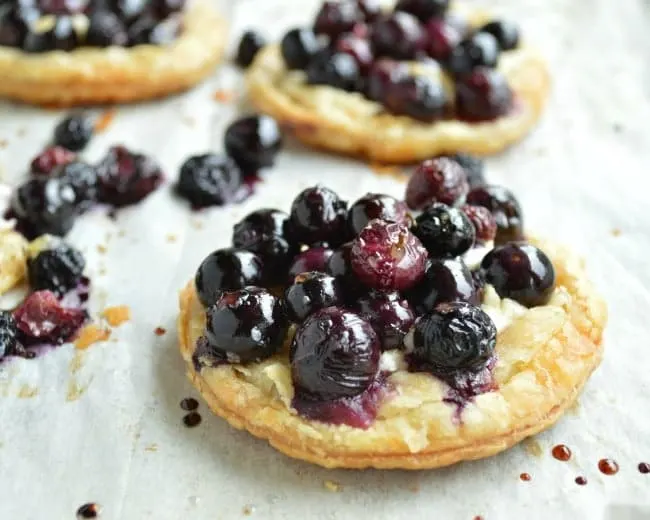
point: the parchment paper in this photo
(105, 425)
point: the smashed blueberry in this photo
(250, 44)
(375, 205)
(312, 259)
(418, 97)
(399, 36)
(504, 207)
(209, 180)
(298, 47)
(444, 231)
(318, 215)
(53, 156)
(484, 95)
(8, 332)
(436, 180)
(424, 10)
(226, 270)
(334, 354)
(310, 292)
(336, 18)
(253, 142)
(339, 70)
(246, 325)
(389, 314)
(106, 29)
(82, 177)
(58, 270)
(506, 33)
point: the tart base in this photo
(545, 357)
(117, 74)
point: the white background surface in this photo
(580, 175)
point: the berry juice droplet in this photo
(581, 481)
(561, 452)
(608, 466)
(89, 510)
(525, 477)
(644, 468)
(189, 404)
(192, 419)
(159, 331)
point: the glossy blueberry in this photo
(49, 159)
(505, 209)
(389, 314)
(8, 332)
(74, 132)
(521, 272)
(106, 29)
(506, 33)
(442, 38)
(298, 47)
(424, 10)
(436, 180)
(381, 76)
(339, 70)
(226, 270)
(399, 36)
(474, 168)
(250, 44)
(336, 18)
(253, 142)
(419, 97)
(453, 337)
(485, 226)
(58, 270)
(245, 325)
(318, 215)
(479, 50)
(339, 266)
(484, 95)
(313, 259)
(310, 292)
(370, 9)
(357, 47)
(444, 231)
(334, 354)
(209, 180)
(375, 205)
(61, 36)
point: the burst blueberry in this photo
(209, 180)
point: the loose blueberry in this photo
(339, 70)
(504, 207)
(253, 143)
(336, 18)
(106, 29)
(250, 44)
(391, 317)
(226, 270)
(506, 33)
(473, 166)
(484, 95)
(334, 354)
(357, 47)
(246, 325)
(387, 256)
(8, 332)
(310, 292)
(372, 206)
(381, 76)
(50, 158)
(74, 132)
(444, 231)
(399, 36)
(313, 259)
(318, 215)
(424, 10)
(442, 38)
(453, 337)
(521, 272)
(419, 97)
(58, 270)
(82, 177)
(445, 280)
(298, 47)
(479, 50)
(485, 226)
(436, 180)
(209, 180)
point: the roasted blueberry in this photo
(14, 26)
(506, 33)
(442, 38)
(339, 70)
(334, 354)
(44, 206)
(357, 47)
(318, 215)
(436, 180)
(298, 47)
(74, 132)
(423, 9)
(339, 266)
(8, 333)
(226, 270)
(126, 177)
(485, 226)
(149, 29)
(419, 97)
(399, 36)
(253, 142)
(42, 319)
(375, 205)
(61, 36)
(389, 314)
(60, 7)
(313, 259)
(310, 292)
(165, 8)
(336, 18)
(106, 29)
(370, 9)
(521, 272)
(387, 256)
(250, 44)
(453, 337)
(445, 280)
(265, 233)
(82, 177)
(53, 156)
(473, 167)
(246, 325)
(129, 10)
(58, 270)
(484, 95)
(444, 231)
(479, 50)
(504, 207)
(381, 76)
(209, 180)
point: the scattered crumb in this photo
(574, 409)
(171, 238)
(117, 315)
(76, 362)
(90, 335)
(102, 271)
(21, 131)
(101, 248)
(197, 224)
(27, 392)
(616, 232)
(3, 143)
(415, 488)
(224, 96)
(75, 390)
(248, 510)
(160, 331)
(387, 169)
(332, 486)
(533, 447)
(121, 233)
(151, 448)
(105, 119)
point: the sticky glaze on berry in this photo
(444, 231)
(310, 292)
(375, 205)
(436, 180)
(318, 215)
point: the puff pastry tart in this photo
(405, 343)
(402, 86)
(72, 52)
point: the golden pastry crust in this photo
(347, 123)
(13, 259)
(545, 356)
(117, 74)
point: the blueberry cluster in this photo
(355, 46)
(361, 279)
(62, 186)
(47, 25)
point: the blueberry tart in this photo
(422, 341)
(402, 84)
(90, 51)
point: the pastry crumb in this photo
(387, 169)
(75, 390)
(121, 233)
(101, 248)
(105, 119)
(415, 488)
(248, 510)
(27, 392)
(160, 331)
(616, 232)
(197, 224)
(332, 486)
(533, 447)
(171, 238)
(151, 448)
(90, 335)
(223, 96)
(3, 143)
(117, 315)
(21, 132)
